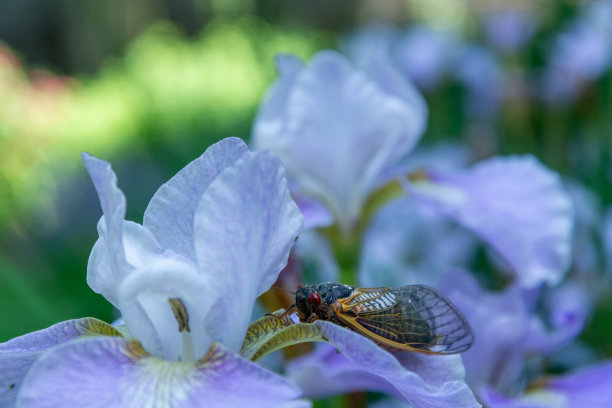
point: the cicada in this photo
(415, 317)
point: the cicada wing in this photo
(448, 331)
(420, 319)
(367, 300)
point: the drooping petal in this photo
(113, 205)
(147, 300)
(139, 247)
(245, 224)
(517, 206)
(18, 355)
(339, 130)
(114, 372)
(170, 213)
(423, 380)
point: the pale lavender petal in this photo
(325, 372)
(423, 380)
(270, 122)
(408, 243)
(338, 132)
(517, 206)
(114, 372)
(587, 387)
(113, 205)
(500, 323)
(248, 214)
(139, 247)
(316, 215)
(569, 306)
(380, 69)
(170, 214)
(18, 355)
(144, 300)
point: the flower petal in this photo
(500, 323)
(139, 247)
(423, 380)
(145, 302)
(18, 355)
(114, 372)
(517, 206)
(569, 306)
(325, 372)
(408, 243)
(113, 205)
(338, 132)
(170, 213)
(587, 387)
(253, 222)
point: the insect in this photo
(415, 317)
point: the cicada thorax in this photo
(412, 317)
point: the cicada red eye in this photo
(301, 285)
(314, 298)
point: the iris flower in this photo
(213, 239)
(344, 132)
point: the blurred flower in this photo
(587, 387)
(213, 239)
(580, 54)
(509, 30)
(338, 129)
(479, 71)
(516, 205)
(508, 331)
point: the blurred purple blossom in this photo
(510, 29)
(338, 129)
(580, 54)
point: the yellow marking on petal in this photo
(161, 383)
(95, 327)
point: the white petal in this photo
(245, 226)
(337, 131)
(170, 214)
(144, 302)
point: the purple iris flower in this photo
(213, 239)
(509, 30)
(580, 54)
(343, 132)
(338, 129)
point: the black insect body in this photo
(415, 317)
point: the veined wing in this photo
(421, 320)
(368, 300)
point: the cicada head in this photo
(318, 298)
